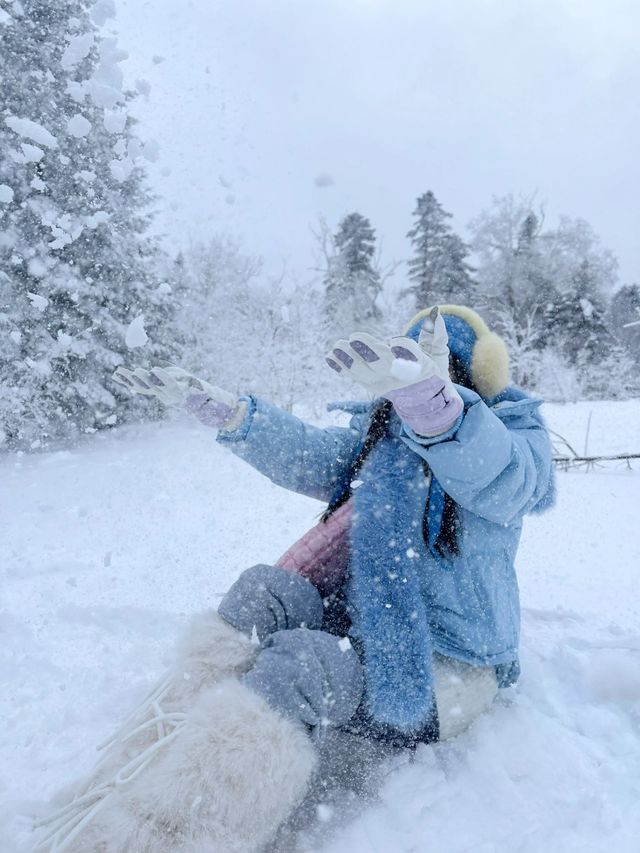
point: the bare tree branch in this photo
(573, 459)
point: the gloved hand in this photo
(414, 376)
(215, 412)
(174, 386)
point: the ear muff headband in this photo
(486, 358)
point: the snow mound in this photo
(98, 583)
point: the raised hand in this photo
(414, 376)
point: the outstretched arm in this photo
(174, 386)
(290, 452)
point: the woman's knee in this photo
(463, 692)
(270, 599)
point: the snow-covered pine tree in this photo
(613, 377)
(216, 284)
(76, 264)
(577, 320)
(579, 324)
(547, 290)
(352, 280)
(439, 269)
(245, 330)
(625, 318)
(513, 274)
(530, 289)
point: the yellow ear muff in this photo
(489, 360)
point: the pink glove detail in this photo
(209, 412)
(428, 407)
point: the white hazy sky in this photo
(254, 103)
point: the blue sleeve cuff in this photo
(433, 439)
(240, 433)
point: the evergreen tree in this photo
(578, 324)
(547, 290)
(577, 321)
(512, 274)
(352, 280)
(439, 269)
(613, 377)
(530, 279)
(218, 284)
(246, 332)
(625, 318)
(77, 266)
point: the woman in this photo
(396, 617)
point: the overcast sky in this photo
(272, 112)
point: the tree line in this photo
(552, 292)
(84, 287)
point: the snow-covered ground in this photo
(106, 550)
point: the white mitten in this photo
(414, 376)
(174, 386)
(171, 385)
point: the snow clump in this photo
(32, 130)
(78, 126)
(38, 302)
(77, 49)
(406, 371)
(135, 335)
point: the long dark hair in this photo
(447, 542)
(378, 426)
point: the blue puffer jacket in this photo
(405, 599)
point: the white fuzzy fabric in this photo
(231, 777)
(463, 692)
(211, 650)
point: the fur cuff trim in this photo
(211, 649)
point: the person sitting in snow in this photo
(396, 617)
